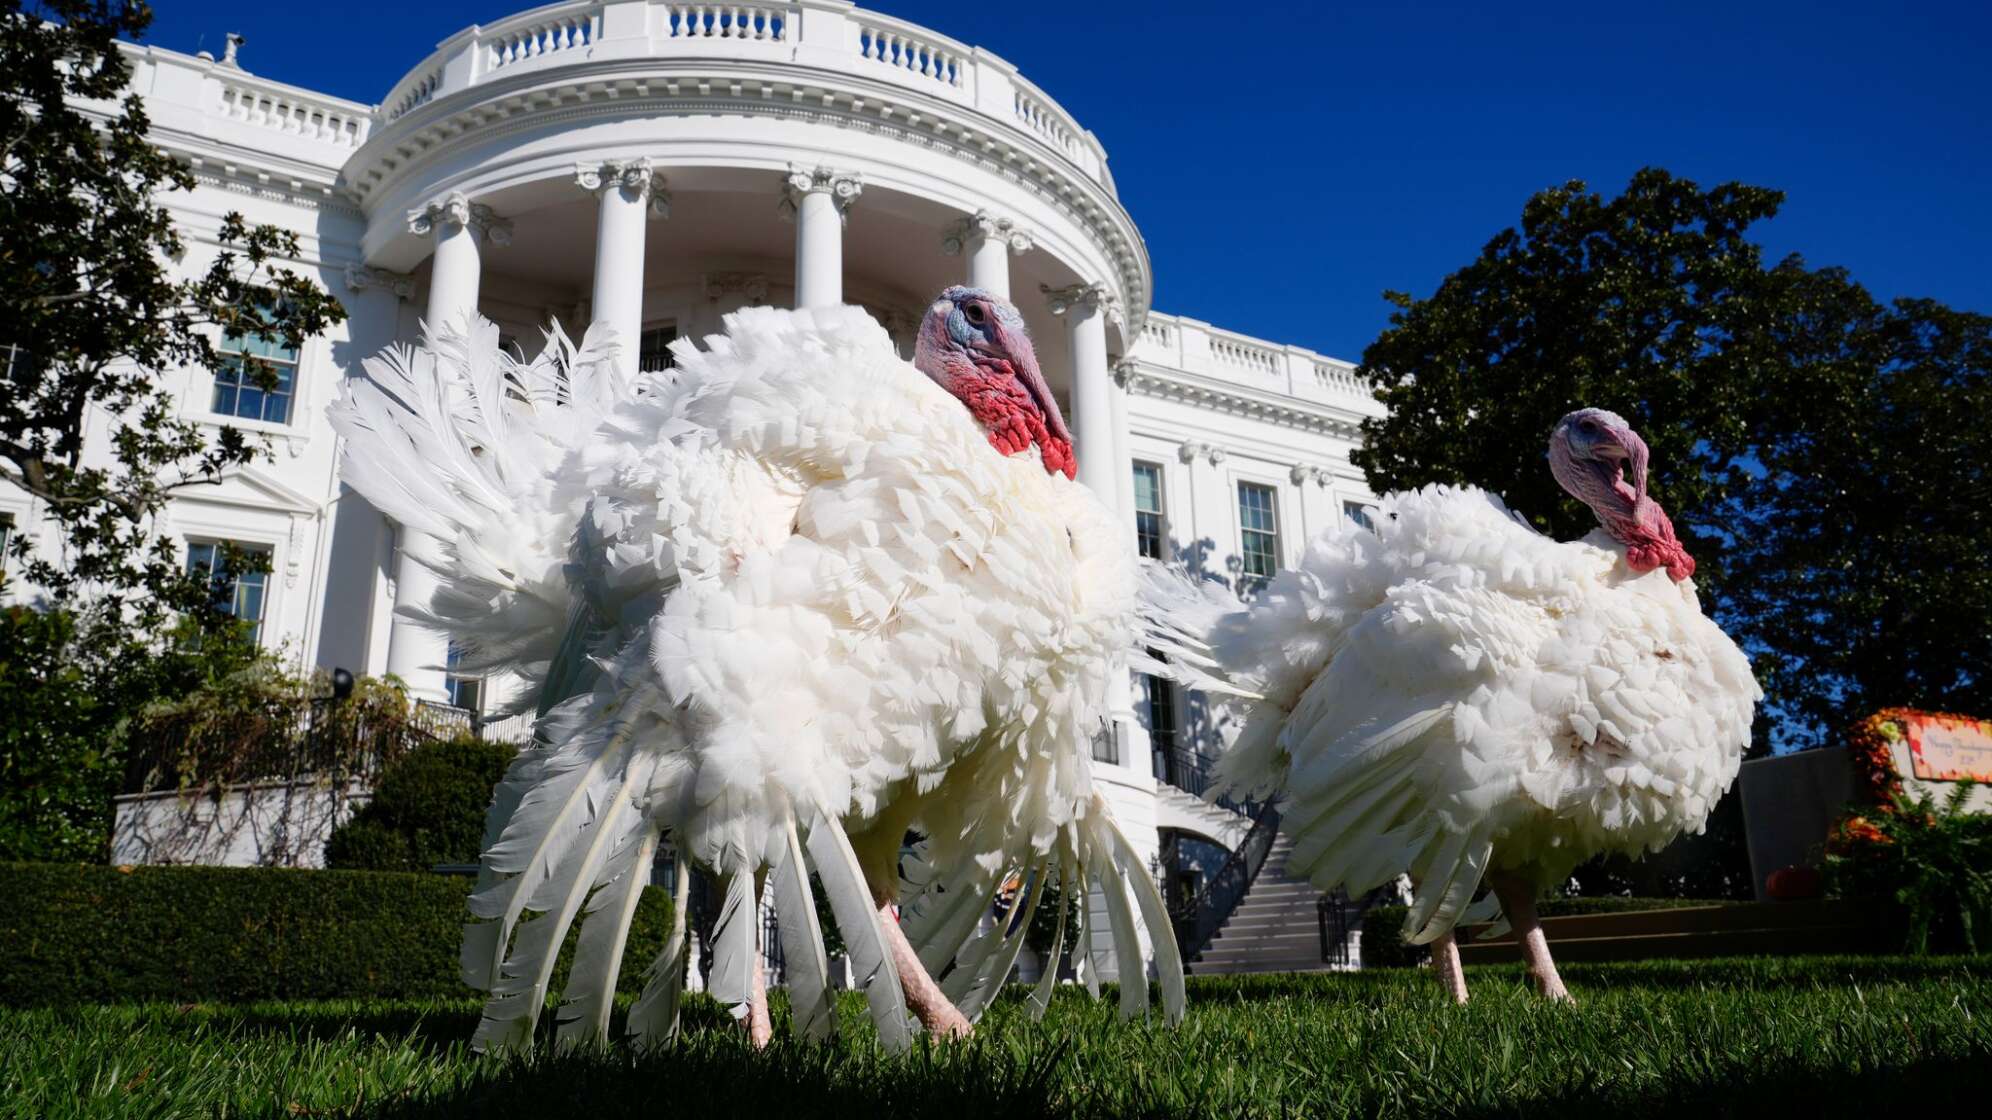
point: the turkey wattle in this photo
(785, 601)
(1455, 695)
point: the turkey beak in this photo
(1014, 344)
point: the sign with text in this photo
(1949, 749)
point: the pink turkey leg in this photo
(1518, 903)
(929, 1005)
(1445, 962)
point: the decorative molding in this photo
(1086, 296)
(1304, 473)
(954, 239)
(843, 186)
(1192, 450)
(1213, 396)
(456, 208)
(360, 277)
(753, 286)
(638, 179)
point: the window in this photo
(237, 388)
(464, 692)
(238, 593)
(653, 349)
(6, 538)
(1149, 521)
(1358, 513)
(1106, 744)
(1258, 534)
(1161, 713)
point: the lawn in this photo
(1826, 1036)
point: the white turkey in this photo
(1454, 695)
(782, 602)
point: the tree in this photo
(1788, 414)
(93, 320)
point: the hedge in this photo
(1383, 926)
(81, 933)
(428, 808)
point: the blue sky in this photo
(1287, 163)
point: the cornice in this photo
(587, 92)
(1162, 383)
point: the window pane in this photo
(1259, 540)
(653, 350)
(1148, 487)
(1358, 513)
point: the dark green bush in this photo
(79, 934)
(1383, 926)
(428, 809)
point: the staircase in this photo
(1276, 926)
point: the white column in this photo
(987, 241)
(1123, 446)
(629, 190)
(816, 199)
(1085, 308)
(416, 653)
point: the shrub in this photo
(428, 809)
(1383, 926)
(1933, 863)
(79, 933)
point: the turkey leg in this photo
(1445, 962)
(941, 1018)
(1518, 904)
(760, 1027)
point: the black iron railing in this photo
(1191, 772)
(1198, 921)
(1340, 916)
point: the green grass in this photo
(1825, 1036)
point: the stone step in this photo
(1265, 939)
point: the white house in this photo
(656, 165)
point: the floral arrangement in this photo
(1931, 860)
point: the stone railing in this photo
(532, 35)
(277, 107)
(760, 23)
(910, 48)
(1250, 363)
(832, 35)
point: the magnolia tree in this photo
(96, 318)
(1825, 456)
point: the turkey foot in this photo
(941, 1018)
(1518, 904)
(1445, 962)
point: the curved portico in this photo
(652, 166)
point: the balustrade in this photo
(1244, 356)
(296, 116)
(550, 36)
(903, 51)
(753, 22)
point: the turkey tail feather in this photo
(857, 919)
(812, 1005)
(653, 1018)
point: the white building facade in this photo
(656, 165)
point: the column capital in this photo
(360, 277)
(1304, 473)
(456, 208)
(1085, 297)
(752, 286)
(843, 186)
(982, 223)
(1192, 450)
(636, 178)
